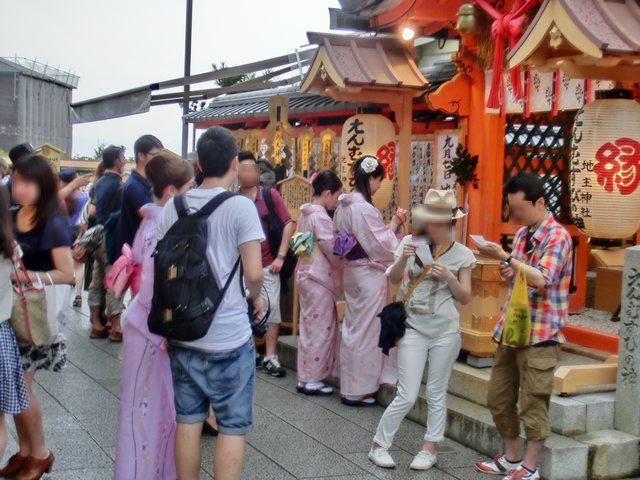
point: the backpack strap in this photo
(268, 200)
(209, 207)
(181, 205)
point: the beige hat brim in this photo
(421, 214)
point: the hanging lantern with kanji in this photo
(370, 134)
(605, 169)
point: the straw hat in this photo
(440, 206)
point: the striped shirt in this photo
(551, 253)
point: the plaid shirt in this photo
(552, 255)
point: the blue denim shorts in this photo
(223, 380)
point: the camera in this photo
(259, 327)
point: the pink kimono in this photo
(363, 367)
(146, 431)
(319, 278)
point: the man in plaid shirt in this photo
(543, 248)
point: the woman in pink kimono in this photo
(146, 430)
(318, 277)
(368, 246)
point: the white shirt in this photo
(432, 309)
(232, 224)
(6, 289)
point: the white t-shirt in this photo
(432, 309)
(6, 290)
(233, 223)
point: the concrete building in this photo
(34, 103)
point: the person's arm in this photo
(397, 269)
(549, 267)
(461, 285)
(62, 273)
(288, 229)
(73, 185)
(251, 257)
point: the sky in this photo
(119, 44)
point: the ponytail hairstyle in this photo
(6, 225)
(325, 180)
(166, 169)
(360, 175)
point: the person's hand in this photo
(258, 305)
(493, 250)
(506, 272)
(276, 266)
(398, 219)
(21, 278)
(82, 180)
(441, 272)
(409, 250)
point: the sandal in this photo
(321, 390)
(99, 333)
(363, 402)
(115, 337)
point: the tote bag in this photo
(517, 320)
(29, 316)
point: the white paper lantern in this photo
(605, 169)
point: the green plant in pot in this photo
(463, 166)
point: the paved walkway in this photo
(294, 436)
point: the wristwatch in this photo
(280, 256)
(507, 262)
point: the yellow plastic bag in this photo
(517, 320)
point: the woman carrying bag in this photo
(13, 394)
(433, 327)
(45, 240)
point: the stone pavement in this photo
(294, 436)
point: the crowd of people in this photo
(53, 235)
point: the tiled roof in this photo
(255, 105)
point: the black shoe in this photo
(273, 368)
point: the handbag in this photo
(87, 244)
(29, 317)
(393, 316)
(517, 319)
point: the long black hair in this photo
(6, 225)
(37, 169)
(326, 180)
(360, 179)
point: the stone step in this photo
(580, 447)
(569, 415)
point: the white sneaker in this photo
(381, 458)
(423, 461)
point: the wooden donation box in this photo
(479, 316)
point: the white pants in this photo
(414, 350)
(272, 287)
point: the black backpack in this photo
(186, 294)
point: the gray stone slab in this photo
(627, 415)
(337, 434)
(102, 425)
(83, 474)
(568, 416)
(303, 456)
(600, 410)
(364, 476)
(564, 459)
(612, 454)
(75, 449)
(288, 405)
